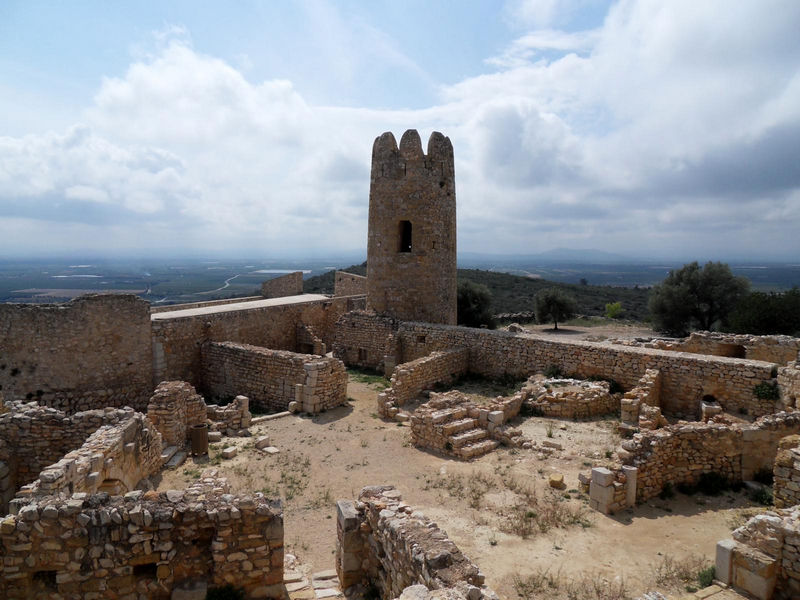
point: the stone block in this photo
(602, 476)
(230, 452)
(724, 560)
(262, 442)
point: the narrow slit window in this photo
(405, 236)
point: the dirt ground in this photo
(528, 539)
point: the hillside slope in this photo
(513, 293)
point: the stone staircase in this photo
(464, 437)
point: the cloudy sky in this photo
(647, 128)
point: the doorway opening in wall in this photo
(405, 236)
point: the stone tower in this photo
(411, 252)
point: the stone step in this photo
(454, 427)
(168, 453)
(448, 414)
(478, 449)
(471, 436)
(177, 460)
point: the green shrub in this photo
(666, 491)
(767, 391)
(614, 310)
(762, 496)
(553, 372)
(474, 305)
(705, 577)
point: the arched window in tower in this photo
(405, 236)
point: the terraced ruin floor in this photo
(499, 509)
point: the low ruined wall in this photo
(646, 393)
(681, 453)
(308, 342)
(789, 385)
(174, 409)
(142, 545)
(34, 436)
(92, 352)
(763, 558)
(348, 284)
(364, 339)
(231, 418)
(290, 284)
(113, 459)
(570, 398)
(786, 473)
(384, 543)
(177, 339)
(159, 308)
(273, 378)
(686, 378)
(409, 379)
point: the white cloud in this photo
(672, 126)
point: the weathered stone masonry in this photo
(290, 284)
(385, 543)
(349, 284)
(273, 378)
(411, 250)
(94, 351)
(110, 547)
(174, 409)
(177, 339)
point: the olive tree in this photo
(695, 297)
(552, 304)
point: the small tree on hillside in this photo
(694, 296)
(552, 304)
(474, 305)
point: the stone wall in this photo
(685, 378)
(92, 352)
(411, 246)
(763, 558)
(681, 453)
(386, 544)
(646, 393)
(174, 409)
(410, 379)
(786, 473)
(177, 339)
(569, 398)
(290, 284)
(142, 545)
(366, 340)
(231, 418)
(789, 385)
(778, 349)
(273, 378)
(308, 342)
(113, 459)
(348, 284)
(34, 436)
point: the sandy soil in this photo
(483, 505)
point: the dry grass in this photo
(680, 574)
(589, 586)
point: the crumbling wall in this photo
(290, 284)
(786, 473)
(681, 453)
(364, 339)
(647, 393)
(384, 543)
(231, 418)
(570, 398)
(409, 379)
(273, 378)
(34, 436)
(89, 353)
(789, 385)
(174, 408)
(142, 545)
(685, 378)
(177, 337)
(348, 284)
(308, 342)
(113, 459)
(763, 558)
